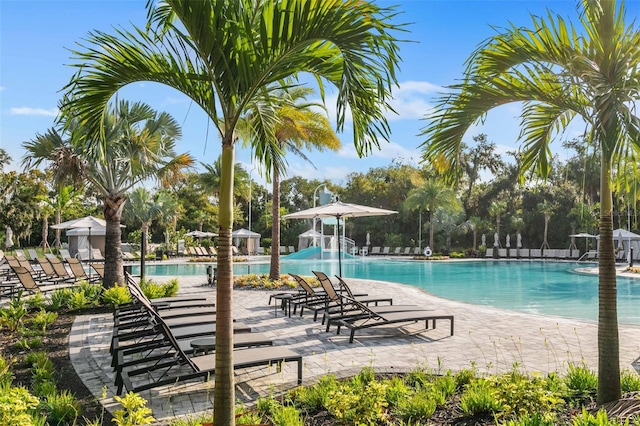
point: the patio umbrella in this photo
(339, 210)
(581, 235)
(83, 222)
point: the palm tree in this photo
(431, 195)
(497, 209)
(560, 72)
(140, 146)
(144, 208)
(226, 54)
(547, 209)
(299, 125)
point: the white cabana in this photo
(309, 238)
(622, 240)
(85, 239)
(252, 243)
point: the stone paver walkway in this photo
(494, 340)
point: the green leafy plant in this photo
(16, 405)
(285, 416)
(6, 376)
(358, 405)
(36, 302)
(581, 381)
(629, 381)
(419, 405)
(116, 296)
(62, 408)
(43, 319)
(134, 411)
(600, 419)
(315, 396)
(60, 298)
(534, 420)
(11, 317)
(28, 343)
(478, 399)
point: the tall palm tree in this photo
(547, 208)
(560, 72)
(225, 54)
(497, 209)
(299, 125)
(144, 208)
(140, 146)
(431, 195)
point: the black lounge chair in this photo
(161, 372)
(373, 319)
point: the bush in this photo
(478, 399)
(62, 408)
(134, 411)
(580, 381)
(154, 291)
(16, 405)
(116, 296)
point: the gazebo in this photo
(309, 238)
(252, 243)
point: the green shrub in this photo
(16, 405)
(600, 419)
(116, 296)
(521, 395)
(478, 399)
(286, 416)
(534, 420)
(580, 381)
(134, 411)
(418, 378)
(36, 302)
(11, 317)
(60, 298)
(6, 376)
(356, 405)
(629, 381)
(78, 301)
(62, 408)
(396, 390)
(314, 397)
(464, 378)
(418, 406)
(28, 344)
(445, 385)
(43, 319)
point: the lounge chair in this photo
(397, 251)
(64, 253)
(15, 261)
(212, 251)
(77, 269)
(99, 268)
(96, 255)
(535, 253)
(36, 286)
(513, 253)
(375, 251)
(33, 254)
(50, 272)
(489, 252)
(291, 249)
(20, 254)
(201, 366)
(372, 319)
(61, 270)
(416, 251)
(283, 250)
(385, 251)
(126, 255)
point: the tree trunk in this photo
(274, 271)
(45, 233)
(475, 238)
(57, 243)
(431, 231)
(113, 273)
(224, 391)
(608, 339)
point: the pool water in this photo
(542, 287)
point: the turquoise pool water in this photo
(549, 288)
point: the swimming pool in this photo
(549, 288)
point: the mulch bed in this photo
(55, 344)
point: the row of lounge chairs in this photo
(525, 253)
(201, 251)
(49, 274)
(342, 308)
(387, 251)
(156, 342)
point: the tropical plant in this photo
(560, 72)
(298, 125)
(224, 55)
(140, 146)
(431, 195)
(547, 208)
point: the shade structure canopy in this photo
(201, 234)
(252, 239)
(83, 222)
(339, 210)
(583, 235)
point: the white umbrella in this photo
(83, 222)
(339, 210)
(9, 241)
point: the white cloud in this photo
(53, 112)
(411, 100)
(388, 151)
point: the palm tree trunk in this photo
(57, 243)
(45, 233)
(113, 273)
(274, 271)
(431, 230)
(608, 339)
(224, 392)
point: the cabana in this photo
(622, 240)
(252, 243)
(308, 239)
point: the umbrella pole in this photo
(339, 249)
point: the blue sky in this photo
(35, 38)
